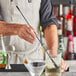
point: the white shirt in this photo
(11, 15)
(37, 12)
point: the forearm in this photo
(51, 37)
(8, 29)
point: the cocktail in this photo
(35, 67)
(51, 70)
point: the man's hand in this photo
(22, 30)
(27, 33)
(64, 66)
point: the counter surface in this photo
(20, 70)
(27, 74)
(15, 68)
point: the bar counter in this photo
(27, 74)
(20, 70)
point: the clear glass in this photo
(35, 67)
(50, 69)
(2, 52)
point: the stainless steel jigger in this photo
(8, 62)
(8, 57)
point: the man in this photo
(23, 37)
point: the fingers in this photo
(64, 66)
(30, 32)
(34, 30)
(27, 33)
(27, 39)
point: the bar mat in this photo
(15, 68)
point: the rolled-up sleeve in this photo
(46, 14)
(1, 18)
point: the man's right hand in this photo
(27, 33)
(24, 31)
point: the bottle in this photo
(66, 11)
(42, 40)
(70, 54)
(74, 21)
(71, 7)
(60, 18)
(2, 53)
(60, 36)
(41, 33)
(71, 13)
(70, 18)
(61, 48)
(60, 30)
(60, 12)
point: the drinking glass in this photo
(35, 67)
(50, 69)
